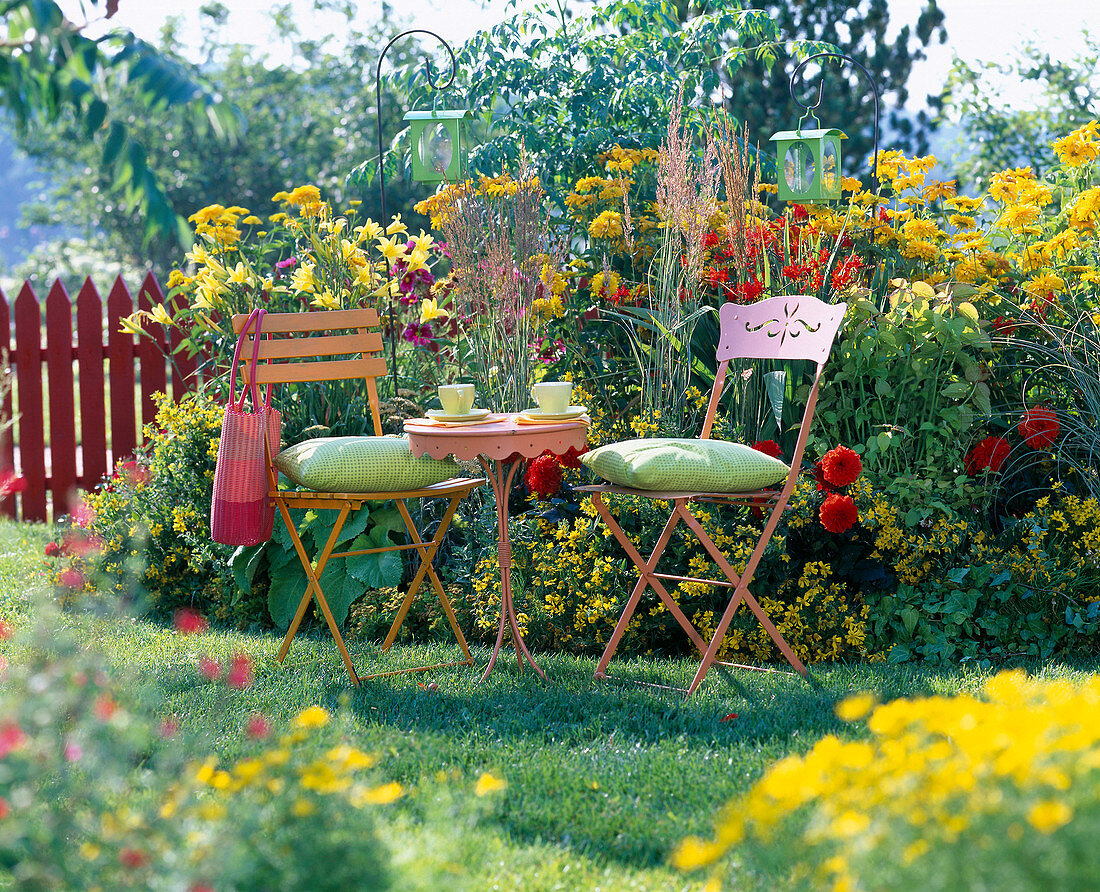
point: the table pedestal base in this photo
(501, 474)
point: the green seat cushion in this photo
(679, 465)
(361, 464)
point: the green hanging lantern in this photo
(808, 163)
(439, 146)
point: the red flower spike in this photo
(571, 458)
(841, 467)
(1039, 427)
(5, 630)
(728, 718)
(838, 513)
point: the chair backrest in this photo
(791, 327)
(321, 345)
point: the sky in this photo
(978, 30)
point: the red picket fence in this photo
(76, 403)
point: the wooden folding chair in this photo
(782, 328)
(330, 345)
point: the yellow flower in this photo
(1078, 147)
(609, 224)
(396, 227)
(383, 795)
(487, 784)
(160, 314)
(430, 310)
(303, 279)
(939, 189)
(313, 717)
(855, 707)
(369, 231)
(326, 300)
(391, 249)
(1048, 816)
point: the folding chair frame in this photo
(797, 327)
(282, 360)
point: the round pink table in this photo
(500, 444)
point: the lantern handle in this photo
(382, 155)
(809, 108)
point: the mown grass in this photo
(604, 778)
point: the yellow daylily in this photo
(417, 260)
(424, 241)
(240, 275)
(430, 309)
(369, 231)
(396, 227)
(160, 315)
(391, 249)
(303, 279)
(327, 300)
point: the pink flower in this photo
(240, 672)
(5, 630)
(82, 515)
(210, 669)
(189, 621)
(11, 737)
(73, 752)
(169, 727)
(5, 809)
(9, 483)
(104, 707)
(71, 578)
(258, 727)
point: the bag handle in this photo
(256, 315)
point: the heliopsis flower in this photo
(312, 717)
(838, 513)
(609, 224)
(841, 466)
(1039, 427)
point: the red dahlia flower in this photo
(841, 466)
(543, 476)
(838, 513)
(989, 453)
(768, 447)
(1039, 427)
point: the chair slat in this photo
(325, 320)
(316, 345)
(329, 370)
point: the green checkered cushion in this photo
(361, 464)
(678, 465)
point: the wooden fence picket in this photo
(86, 408)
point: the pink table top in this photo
(497, 437)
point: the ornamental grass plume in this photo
(661, 328)
(504, 259)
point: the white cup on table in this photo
(456, 399)
(553, 397)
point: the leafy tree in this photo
(998, 135)
(759, 93)
(50, 72)
(568, 83)
(308, 120)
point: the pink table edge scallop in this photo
(492, 443)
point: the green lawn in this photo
(603, 778)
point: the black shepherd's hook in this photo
(381, 157)
(809, 108)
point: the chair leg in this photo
(313, 587)
(427, 556)
(741, 593)
(646, 579)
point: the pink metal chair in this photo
(784, 328)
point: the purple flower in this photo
(416, 333)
